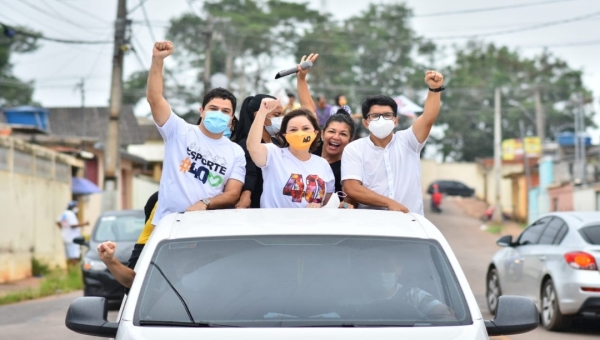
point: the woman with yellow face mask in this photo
(292, 176)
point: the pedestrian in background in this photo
(71, 228)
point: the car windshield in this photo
(119, 228)
(591, 234)
(295, 281)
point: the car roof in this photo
(237, 222)
(578, 219)
(122, 212)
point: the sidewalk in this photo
(20, 285)
(476, 208)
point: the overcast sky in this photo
(57, 68)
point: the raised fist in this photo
(106, 251)
(268, 105)
(162, 49)
(434, 79)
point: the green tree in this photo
(467, 114)
(375, 52)
(245, 38)
(14, 91)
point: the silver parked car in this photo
(554, 262)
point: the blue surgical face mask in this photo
(216, 121)
(227, 133)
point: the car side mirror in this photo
(514, 315)
(87, 315)
(80, 240)
(505, 241)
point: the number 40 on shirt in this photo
(315, 188)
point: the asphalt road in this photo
(44, 319)
(474, 249)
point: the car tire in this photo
(492, 290)
(551, 317)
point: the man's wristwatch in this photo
(206, 201)
(439, 89)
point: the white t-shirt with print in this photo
(67, 220)
(394, 172)
(291, 183)
(195, 167)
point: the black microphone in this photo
(304, 65)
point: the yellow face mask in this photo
(300, 140)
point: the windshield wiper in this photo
(181, 324)
(187, 310)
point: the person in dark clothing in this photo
(253, 183)
(337, 133)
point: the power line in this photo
(59, 17)
(489, 9)
(141, 4)
(63, 41)
(519, 30)
(64, 3)
(147, 20)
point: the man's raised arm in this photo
(154, 91)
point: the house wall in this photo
(561, 198)
(467, 173)
(143, 187)
(35, 188)
(586, 199)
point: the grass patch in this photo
(38, 268)
(494, 228)
(56, 282)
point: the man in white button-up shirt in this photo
(383, 170)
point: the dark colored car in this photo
(452, 188)
(123, 228)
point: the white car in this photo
(554, 262)
(299, 274)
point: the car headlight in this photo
(93, 265)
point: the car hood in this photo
(470, 332)
(123, 252)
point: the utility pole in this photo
(207, 57)
(540, 117)
(497, 156)
(111, 149)
(582, 146)
(525, 156)
(81, 87)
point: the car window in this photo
(532, 234)
(561, 234)
(288, 281)
(591, 234)
(119, 228)
(551, 231)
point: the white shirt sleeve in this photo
(172, 126)
(272, 149)
(239, 170)
(330, 185)
(409, 139)
(352, 163)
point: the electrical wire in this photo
(64, 3)
(489, 9)
(519, 30)
(60, 17)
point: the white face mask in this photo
(275, 126)
(382, 282)
(381, 128)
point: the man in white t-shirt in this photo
(383, 170)
(70, 229)
(202, 169)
